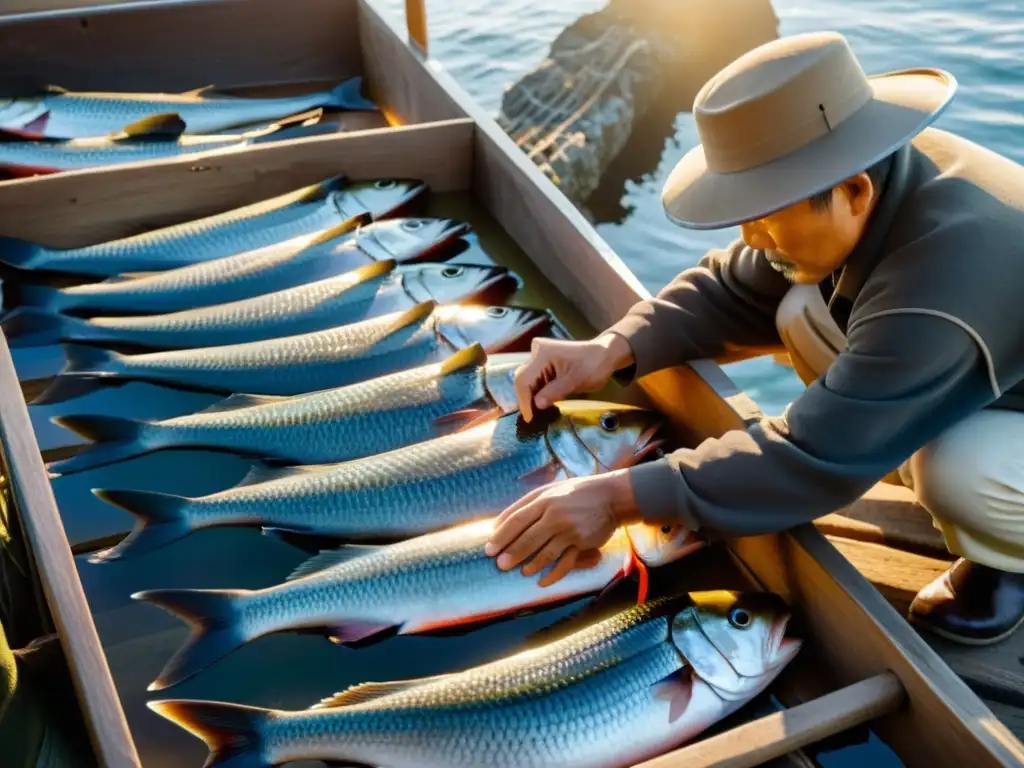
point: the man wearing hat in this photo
(888, 257)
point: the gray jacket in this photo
(931, 304)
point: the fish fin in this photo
(259, 472)
(21, 254)
(322, 190)
(329, 558)
(86, 360)
(56, 90)
(35, 327)
(422, 627)
(373, 270)
(473, 356)
(21, 294)
(242, 400)
(205, 90)
(348, 95)
(307, 541)
(418, 313)
(64, 388)
(677, 690)
(347, 226)
(355, 630)
(542, 475)
(466, 418)
(310, 117)
(167, 125)
(290, 132)
(114, 439)
(232, 732)
(364, 692)
(159, 520)
(213, 615)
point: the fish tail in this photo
(22, 254)
(83, 373)
(349, 95)
(234, 733)
(114, 439)
(160, 519)
(36, 327)
(21, 294)
(213, 615)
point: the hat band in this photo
(826, 117)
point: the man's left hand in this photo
(564, 522)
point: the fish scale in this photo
(398, 493)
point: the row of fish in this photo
(380, 416)
(57, 130)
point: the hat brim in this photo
(904, 104)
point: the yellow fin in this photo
(206, 90)
(167, 125)
(373, 270)
(415, 315)
(472, 356)
(363, 692)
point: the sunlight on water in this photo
(488, 46)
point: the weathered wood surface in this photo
(775, 735)
(64, 594)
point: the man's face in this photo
(807, 243)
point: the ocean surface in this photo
(488, 46)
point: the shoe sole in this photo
(966, 640)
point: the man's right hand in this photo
(557, 369)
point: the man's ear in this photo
(859, 192)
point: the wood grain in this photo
(98, 205)
(779, 733)
(180, 46)
(41, 522)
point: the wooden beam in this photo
(42, 526)
(777, 734)
(102, 204)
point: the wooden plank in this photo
(64, 595)
(888, 514)
(98, 205)
(398, 79)
(774, 735)
(182, 45)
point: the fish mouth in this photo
(647, 444)
(782, 649)
(497, 287)
(532, 323)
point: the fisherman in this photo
(888, 257)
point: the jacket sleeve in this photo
(728, 299)
(902, 380)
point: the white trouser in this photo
(970, 478)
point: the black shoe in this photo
(971, 604)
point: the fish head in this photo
(451, 283)
(590, 436)
(658, 545)
(381, 197)
(735, 641)
(500, 379)
(495, 328)
(406, 240)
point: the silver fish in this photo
(61, 114)
(614, 694)
(378, 289)
(152, 139)
(295, 365)
(305, 211)
(430, 582)
(304, 259)
(335, 425)
(417, 489)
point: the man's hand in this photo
(557, 369)
(564, 522)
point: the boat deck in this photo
(891, 540)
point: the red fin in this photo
(410, 629)
(27, 170)
(467, 418)
(353, 631)
(677, 690)
(542, 475)
(642, 578)
(36, 129)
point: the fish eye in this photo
(609, 422)
(411, 225)
(497, 311)
(386, 184)
(666, 529)
(739, 618)
(452, 271)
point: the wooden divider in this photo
(88, 666)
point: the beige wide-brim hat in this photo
(790, 119)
